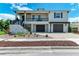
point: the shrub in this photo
(74, 29)
(69, 29)
(20, 33)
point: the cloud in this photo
(74, 6)
(7, 16)
(23, 8)
(20, 6)
(74, 19)
(72, 3)
(73, 9)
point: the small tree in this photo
(4, 25)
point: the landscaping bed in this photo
(36, 43)
(25, 36)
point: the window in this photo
(58, 15)
(39, 18)
(33, 17)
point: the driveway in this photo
(54, 37)
(61, 35)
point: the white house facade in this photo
(41, 20)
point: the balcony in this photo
(36, 20)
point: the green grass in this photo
(2, 33)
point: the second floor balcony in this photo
(36, 19)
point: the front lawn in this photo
(2, 33)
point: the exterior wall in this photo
(33, 28)
(28, 15)
(20, 16)
(65, 27)
(64, 19)
(43, 15)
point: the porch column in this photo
(46, 27)
(25, 17)
(32, 28)
(49, 28)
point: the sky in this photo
(6, 9)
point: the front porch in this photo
(37, 27)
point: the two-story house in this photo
(41, 20)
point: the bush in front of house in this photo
(20, 34)
(69, 29)
(75, 29)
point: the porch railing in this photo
(36, 19)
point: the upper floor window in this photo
(58, 15)
(39, 17)
(33, 17)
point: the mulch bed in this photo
(37, 43)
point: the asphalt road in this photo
(39, 51)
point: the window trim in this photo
(58, 15)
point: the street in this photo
(39, 51)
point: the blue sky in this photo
(6, 9)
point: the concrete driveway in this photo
(55, 36)
(61, 35)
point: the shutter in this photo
(61, 15)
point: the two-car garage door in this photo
(57, 27)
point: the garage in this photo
(57, 27)
(40, 28)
